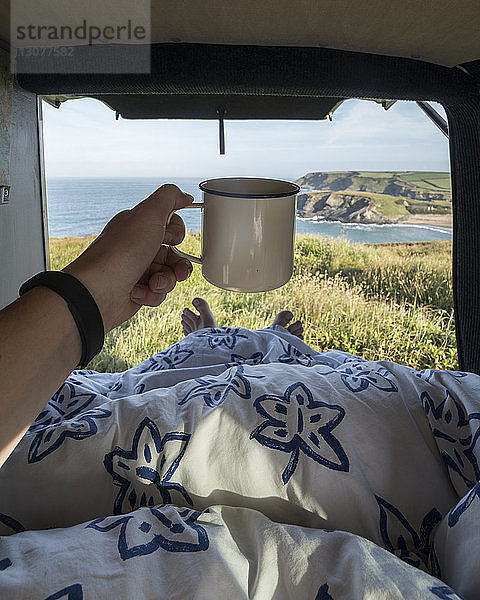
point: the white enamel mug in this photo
(248, 233)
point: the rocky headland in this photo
(380, 198)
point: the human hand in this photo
(128, 265)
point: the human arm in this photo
(127, 266)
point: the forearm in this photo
(40, 343)
(39, 347)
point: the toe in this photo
(190, 314)
(206, 316)
(188, 324)
(296, 329)
(283, 318)
(187, 319)
(296, 326)
(201, 305)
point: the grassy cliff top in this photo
(389, 206)
(394, 183)
(381, 302)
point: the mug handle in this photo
(178, 252)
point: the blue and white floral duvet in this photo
(240, 464)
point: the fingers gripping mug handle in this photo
(178, 252)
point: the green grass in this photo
(397, 206)
(416, 183)
(377, 174)
(390, 206)
(427, 180)
(430, 180)
(441, 184)
(390, 302)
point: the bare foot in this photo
(192, 322)
(284, 317)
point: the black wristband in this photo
(80, 303)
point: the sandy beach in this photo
(438, 220)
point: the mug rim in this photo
(203, 186)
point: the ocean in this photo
(80, 206)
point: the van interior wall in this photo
(464, 141)
(22, 239)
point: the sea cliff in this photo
(380, 198)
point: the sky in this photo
(83, 139)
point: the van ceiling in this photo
(198, 80)
(277, 58)
(445, 32)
